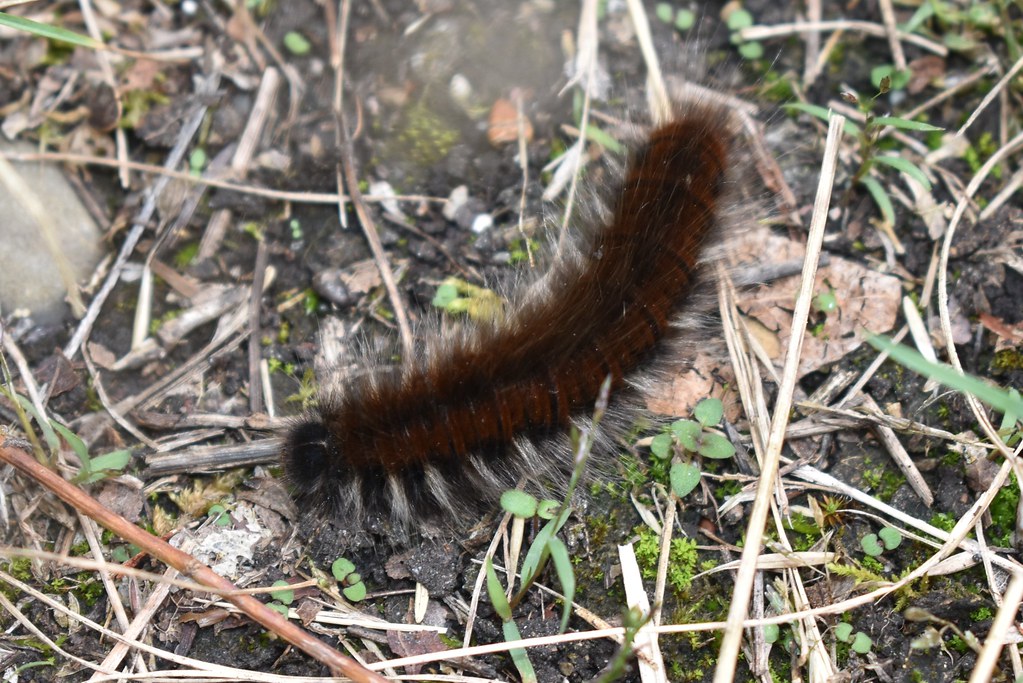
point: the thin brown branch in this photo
(187, 565)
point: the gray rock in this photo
(30, 280)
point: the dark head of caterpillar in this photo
(486, 407)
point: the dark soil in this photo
(413, 131)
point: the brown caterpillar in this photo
(440, 438)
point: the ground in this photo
(431, 94)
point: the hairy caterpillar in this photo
(441, 437)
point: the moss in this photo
(883, 481)
(424, 137)
(1007, 360)
(89, 589)
(682, 558)
(981, 614)
(21, 569)
(950, 459)
(943, 520)
(1003, 514)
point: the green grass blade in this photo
(563, 567)
(881, 198)
(496, 592)
(907, 167)
(824, 114)
(46, 31)
(518, 655)
(905, 124)
(77, 445)
(48, 434)
(999, 399)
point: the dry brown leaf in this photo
(867, 300)
(503, 124)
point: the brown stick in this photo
(189, 566)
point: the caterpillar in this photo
(441, 436)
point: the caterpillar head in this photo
(306, 455)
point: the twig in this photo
(242, 157)
(265, 193)
(892, 32)
(141, 221)
(255, 337)
(725, 671)
(186, 564)
(867, 27)
(1004, 620)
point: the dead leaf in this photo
(410, 643)
(708, 377)
(867, 300)
(101, 355)
(503, 124)
(925, 70)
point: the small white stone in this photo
(482, 223)
(460, 89)
(382, 188)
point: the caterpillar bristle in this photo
(439, 439)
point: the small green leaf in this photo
(355, 593)
(548, 509)
(751, 51)
(660, 446)
(218, 513)
(861, 643)
(771, 633)
(881, 198)
(843, 631)
(907, 167)
(278, 607)
(566, 577)
(684, 477)
(905, 124)
(197, 161)
(688, 434)
(709, 412)
(114, 461)
(496, 592)
(716, 447)
(871, 546)
(446, 294)
(825, 302)
(341, 568)
(519, 503)
(296, 43)
(286, 596)
(52, 442)
(739, 19)
(664, 12)
(959, 42)
(890, 536)
(685, 19)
